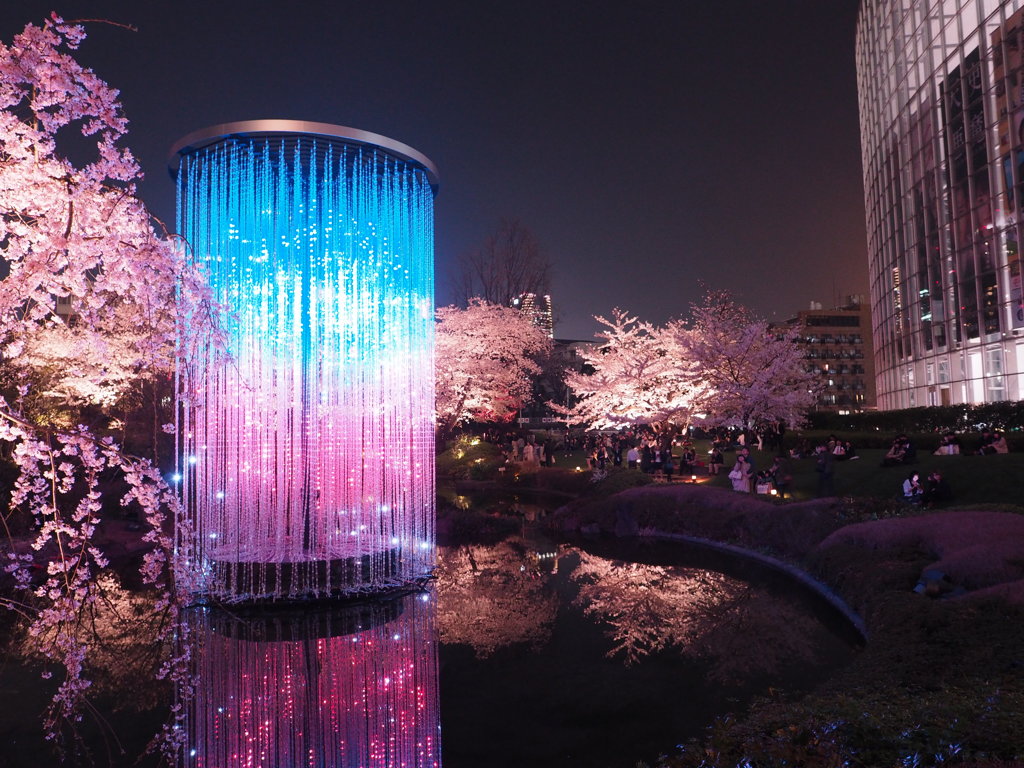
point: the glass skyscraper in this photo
(941, 89)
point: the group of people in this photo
(745, 478)
(932, 490)
(527, 449)
(901, 451)
(647, 451)
(653, 453)
(991, 442)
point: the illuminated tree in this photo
(89, 291)
(752, 373)
(638, 377)
(649, 608)
(486, 358)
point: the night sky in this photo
(654, 148)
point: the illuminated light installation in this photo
(345, 686)
(307, 457)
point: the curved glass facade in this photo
(941, 88)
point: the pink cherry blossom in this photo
(485, 357)
(94, 292)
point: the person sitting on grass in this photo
(912, 490)
(765, 480)
(895, 454)
(949, 445)
(844, 450)
(998, 444)
(987, 438)
(901, 452)
(688, 460)
(802, 450)
(715, 460)
(936, 490)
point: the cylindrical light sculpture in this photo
(307, 450)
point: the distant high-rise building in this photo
(538, 309)
(837, 348)
(941, 90)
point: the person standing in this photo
(782, 476)
(825, 468)
(632, 457)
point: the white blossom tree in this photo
(637, 375)
(485, 357)
(752, 372)
(77, 236)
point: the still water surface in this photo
(524, 651)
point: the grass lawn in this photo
(974, 480)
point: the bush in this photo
(618, 479)
(937, 684)
(469, 458)
(457, 526)
(1006, 416)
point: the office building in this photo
(941, 91)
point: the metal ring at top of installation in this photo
(261, 128)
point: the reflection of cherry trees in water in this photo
(741, 630)
(649, 608)
(128, 667)
(492, 596)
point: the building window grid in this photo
(889, 241)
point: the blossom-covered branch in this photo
(724, 366)
(93, 299)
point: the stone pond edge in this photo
(792, 571)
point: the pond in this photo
(523, 651)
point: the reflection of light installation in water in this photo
(334, 688)
(308, 458)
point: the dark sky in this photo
(652, 147)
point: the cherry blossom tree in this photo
(637, 375)
(752, 372)
(486, 357)
(649, 608)
(725, 365)
(92, 292)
